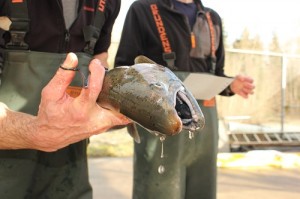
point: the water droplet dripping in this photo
(162, 139)
(161, 169)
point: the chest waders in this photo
(29, 174)
(190, 164)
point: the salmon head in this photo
(152, 96)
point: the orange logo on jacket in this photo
(161, 29)
(102, 4)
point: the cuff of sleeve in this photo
(228, 91)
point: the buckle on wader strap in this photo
(19, 25)
(17, 41)
(170, 58)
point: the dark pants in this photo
(31, 174)
(190, 164)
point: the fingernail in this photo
(72, 60)
(69, 62)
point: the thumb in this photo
(63, 77)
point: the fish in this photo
(152, 96)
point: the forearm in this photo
(16, 129)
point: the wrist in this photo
(15, 132)
(40, 136)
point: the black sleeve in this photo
(220, 65)
(220, 51)
(131, 39)
(2, 7)
(111, 13)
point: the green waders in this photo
(190, 164)
(32, 174)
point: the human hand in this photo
(62, 119)
(242, 85)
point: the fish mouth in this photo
(192, 118)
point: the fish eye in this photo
(156, 84)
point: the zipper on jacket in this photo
(66, 37)
(67, 40)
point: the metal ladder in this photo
(264, 139)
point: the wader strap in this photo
(92, 32)
(213, 57)
(19, 26)
(168, 55)
(213, 42)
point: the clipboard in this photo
(205, 86)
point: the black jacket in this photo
(140, 37)
(47, 27)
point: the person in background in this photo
(44, 130)
(186, 37)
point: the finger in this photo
(112, 119)
(243, 94)
(121, 119)
(248, 86)
(243, 78)
(63, 78)
(97, 72)
(248, 79)
(247, 91)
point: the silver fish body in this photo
(152, 96)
